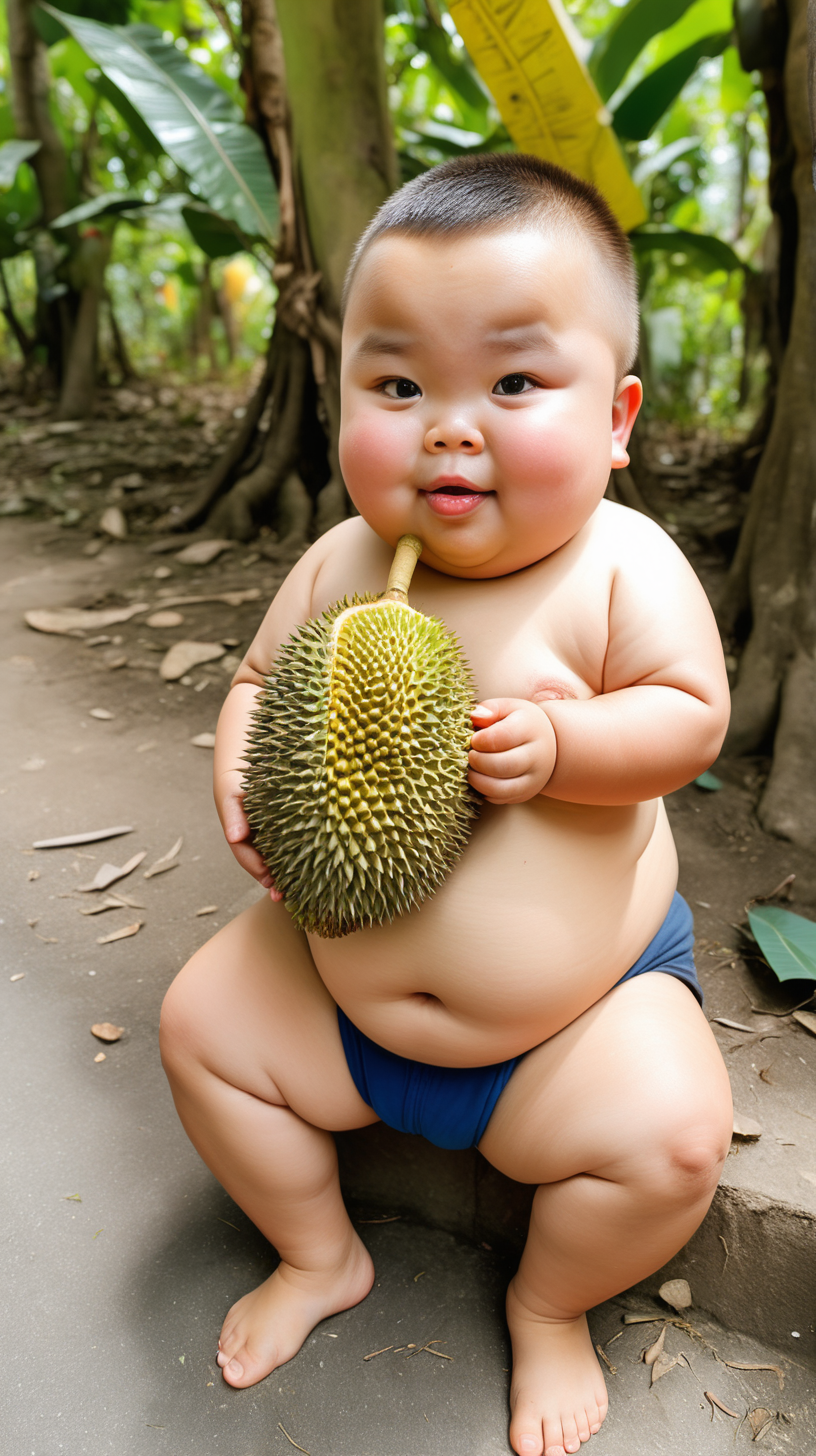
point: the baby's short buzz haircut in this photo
(497, 190)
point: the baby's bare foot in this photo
(267, 1327)
(558, 1396)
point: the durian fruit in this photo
(356, 790)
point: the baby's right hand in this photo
(234, 822)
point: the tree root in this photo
(236, 513)
(788, 806)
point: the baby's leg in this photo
(252, 1050)
(624, 1119)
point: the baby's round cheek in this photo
(370, 444)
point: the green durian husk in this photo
(356, 788)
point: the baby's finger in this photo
(501, 791)
(236, 824)
(250, 860)
(499, 737)
(510, 765)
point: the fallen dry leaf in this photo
(99, 906)
(714, 1401)
(101, 713)
(677, 1293)
(47, 939)
(91, 837)
(20, 976)
(745, 1127)
(663, 1364)
(651, 1353)
(807, 1019)
(106, 1031)
(100, 1057)
(75, 619)
(613, 1369)
(116, 662)
(286, 1433)
(168, 861)
(203, 740)
(182, 656)
(108, 873)
(734, 1025)
(201, 553)
(749, 1365)
(207, 910)
(113, 523)
(164, 619)
(119, 934)
(759, 1420)
(229, 598)
(764, 1076)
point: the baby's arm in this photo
(291, 607)
(661, 715)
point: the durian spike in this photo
(406, 556)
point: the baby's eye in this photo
(514, 384)
(401, 389)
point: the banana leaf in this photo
(642, 108)
(215, 236)
(708, 252)
(130, 116)
(527, 56)
(108, 204)
(623, 40)
(196, 122)
(12, 154)
(787, 941)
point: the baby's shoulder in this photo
(626, 540)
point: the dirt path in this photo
(123, 1253)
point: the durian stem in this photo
(408, 552)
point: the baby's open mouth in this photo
(452, 498)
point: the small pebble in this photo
(20, 976)
(100, 1057)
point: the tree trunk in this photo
(30, 82)
(774, 573)
(88, 277)
(326, 126)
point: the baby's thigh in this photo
(633, 1089)
(250, 1008)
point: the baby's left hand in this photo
(512, 752)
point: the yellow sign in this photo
(524, 53)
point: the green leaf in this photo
(662, 160)
(737, 86)
(709, 781)
(108, 204)
(198, 125)
(12, 155)
(708, 252)
(642, 108)
(787, 941)
(434, 39)
(215, 236)
(130, 116)
(621, 43)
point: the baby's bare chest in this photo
(540, 632)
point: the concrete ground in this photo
(122, 1254)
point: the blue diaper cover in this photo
(451, 1106)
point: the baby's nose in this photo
(454, 437)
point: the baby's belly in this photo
(548, 907)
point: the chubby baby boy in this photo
(543, 1006)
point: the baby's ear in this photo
(625, 406)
